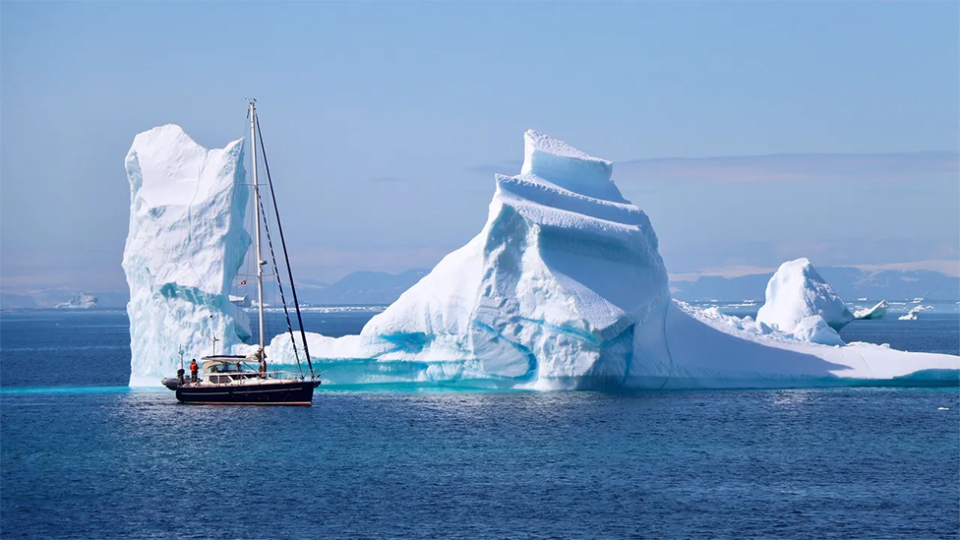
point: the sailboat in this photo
(222, 379)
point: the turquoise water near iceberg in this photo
(81, 456)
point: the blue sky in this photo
(385, 121)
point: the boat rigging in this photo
(224, 380)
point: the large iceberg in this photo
(549, 293)
(564, 287)
(184, 247)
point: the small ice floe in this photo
(877, 312)
(943, 408)
(914, 313)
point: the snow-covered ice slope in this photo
(564, 287)
(184, 247)
(703, 352)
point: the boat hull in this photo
(287, 393)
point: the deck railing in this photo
(256, 378)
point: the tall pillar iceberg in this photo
(184, 247)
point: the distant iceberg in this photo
(913, 314)
(801, 303)
(563, 288)
(80, 301)
(799, 306)
(877, 312)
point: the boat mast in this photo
(256, 206)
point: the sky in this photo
(751, 133)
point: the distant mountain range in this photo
(382, 288)
(360, 288)
(849, 283)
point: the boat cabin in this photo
(226, 369)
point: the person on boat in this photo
(239, 367)
(180, 373)
(263, 368)
(194, 368)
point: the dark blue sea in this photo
(81, 456)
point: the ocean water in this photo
(81, 456)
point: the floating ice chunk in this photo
(912, 315)
(877, 312)
(185, 244)
(796, 291)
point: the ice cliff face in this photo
(184, 247)
(800, 302)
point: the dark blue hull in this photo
(286, 393)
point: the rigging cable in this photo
(283, 301)
(283, 243)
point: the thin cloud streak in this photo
(390, 180)
(891, 167)
(504, 167)
(895, 167)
